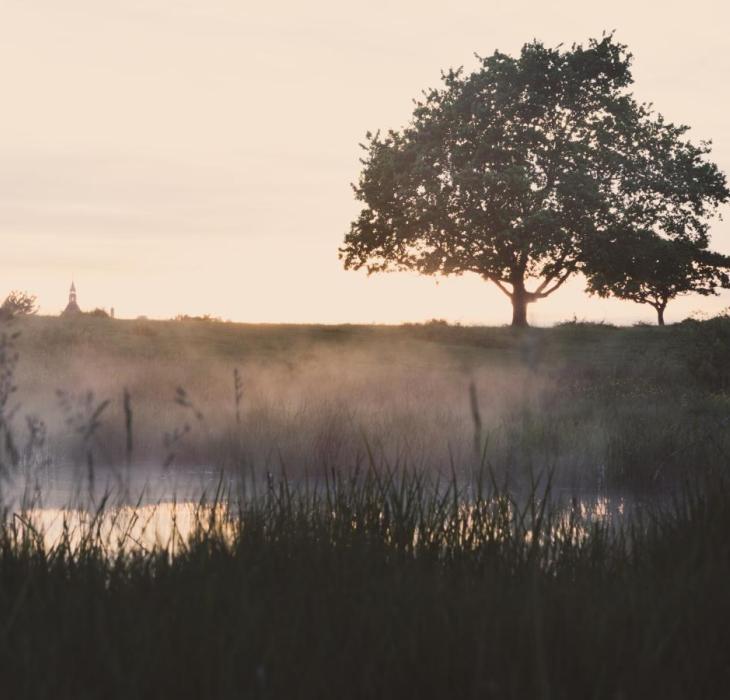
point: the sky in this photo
(193, 157)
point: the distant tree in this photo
(649, 269)
(511, 171)
(18, 304)
(101, 313)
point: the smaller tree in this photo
(646, 268)
(18, 304)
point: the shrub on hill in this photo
(18, 304)
(205, 317)
(100, 313)
(708, 353)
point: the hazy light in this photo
(183, 157)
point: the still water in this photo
(147, 508)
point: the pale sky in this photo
(181, 156)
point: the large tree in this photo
(510, 171)
(647, 268)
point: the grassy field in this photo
(407, 529)
(602, 406)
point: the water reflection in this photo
(166, 525)
(162, 511)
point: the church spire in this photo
(73, 307)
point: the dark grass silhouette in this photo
(377, 585)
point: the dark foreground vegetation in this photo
(381, 567)
(377, 586)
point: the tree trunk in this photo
(519, 306)
(660, 315)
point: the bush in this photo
(575, 322)
(708, 353)
(101, 313)
(18, 304)
(205, 317)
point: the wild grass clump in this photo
(577, 323)
(376, 585)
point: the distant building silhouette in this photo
(72, 308)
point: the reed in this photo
(372, 584)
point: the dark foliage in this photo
(708, 352)
(101, 313)
(650, 269)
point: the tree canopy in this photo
(650, 269)
(512, 171)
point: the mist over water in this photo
(306, 408)
(168, 409)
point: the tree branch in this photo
(501, 286)
(550, 278)
(547, 292)
(544, 284)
